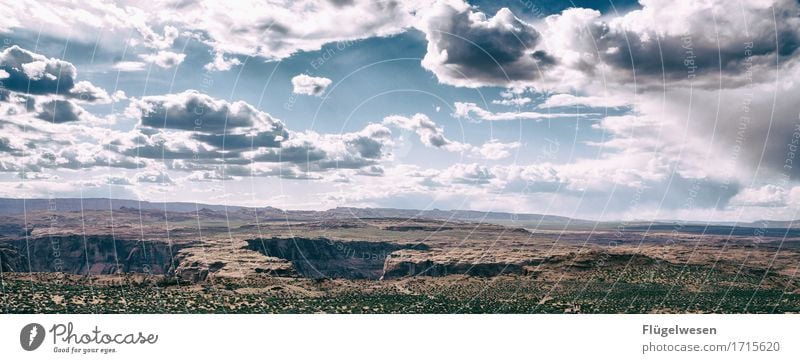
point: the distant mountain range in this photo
(11, 206)
(18, 206)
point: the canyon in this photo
(254, 253)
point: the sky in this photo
(606, 110)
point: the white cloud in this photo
(83, 21)
(31, 73)
(467, 109)
(312, 86)
(516, 101)
(222, 64)
(565, 100)
(200, 133)
(764, 196)
(192, 110)
(430, 134)
(129, 66)
(496, 150)
(315, 152)
(154, 177)
(164, 58)
(467, 174)
(86, 92)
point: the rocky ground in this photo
(212, 261)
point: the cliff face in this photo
(227, 258)
(93, 255)
(322, 257)
(397, 268)
(414, 263)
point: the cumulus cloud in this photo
(82, 21)
(313, 151)
(468, 174)
(468, 48)
(271, 29)
(496, 150)
(84, 91)
(275, 29)
(152, 39)
(200, 133)
(764, 196)
(465, 46)
(665, 41)
(189, 132)
(117, 180)
(154, 177)
(221, 63)
(312, 86)
(680, 42)
(210, 175)
(194, 111)
(58, 111)
(164, 58)
(40, 145)
(430, 134)
(35, 74)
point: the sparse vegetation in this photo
(383, 265)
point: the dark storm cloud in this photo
(59, 111)
(194, 111)
(466, 48)
(697, 53)
(36, 74)
(662, 41)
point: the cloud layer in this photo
(673, 97)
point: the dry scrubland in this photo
(266, 261)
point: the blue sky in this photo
(601, 110)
